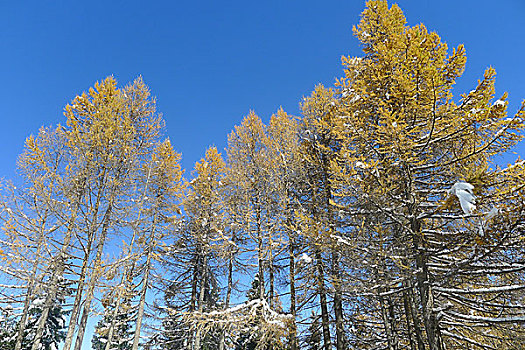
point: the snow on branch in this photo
(480, 290)
(509, 319)
(255, 313)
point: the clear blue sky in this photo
(210, 62)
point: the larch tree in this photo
(435, 270)
(322, 140)
(204, 210)
(247, 164)
(286, 176)
(81, 182)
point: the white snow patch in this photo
(467, 200)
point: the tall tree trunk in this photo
(78, 297)
(23, 318)
(260, 256)
(293, 311)
(142, 302)
(94, 278)
(203, 279)
(58, 271)
(83, 272)
(271, 277)
(388, 321)
(325, 320)
(114, 316)
(29, 292)
(132, 264)
(425, 292)
(227, 298)
(194, 281)
(406, 307)
(145, 285)
(338, 303)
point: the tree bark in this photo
(227, 298)
(94, 278)
(293, 311)
(338, 304)
(325, 320)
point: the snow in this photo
(474, 110)
(492, 213)
(38, 302)
(355, 99)
(501, 289)
(467, 200)
(240, 313)
(304, 257)
(499, 103)
(361, 165)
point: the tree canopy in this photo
(376, 219)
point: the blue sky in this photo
(210, 62)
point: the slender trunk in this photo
(386, 323)
(338, 304)
(425, 292)
(293, 312)
(29, 292)
(415, 319)
(325, 320)
(142, 302)
(111, 330)
(336, 274)
(406, 307)
(195, 277)
(193, 298)
(260, 257)
(392, 320)
(132, 264)
(114, 316)
(93, 282)
(203, 279)
(145, 284)
(272, 278)
(23, 318)
(75, 311)
(227, 298)
(83, 274)
(57, 273)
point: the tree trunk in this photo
(425, 292)
(271, 277)
(293, 311)
(142, 302)
(94, 278)
(29, 293)
(57, 273)
(260, 257)
(338, 304)
(83, 272)
(114, 316)
(227, 298)
(203, 279)
(325, 320)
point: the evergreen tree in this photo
(7, 329)
(313, 336)
(251, 338)
(54, 328)
(121, 339)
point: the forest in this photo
(376, 219)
